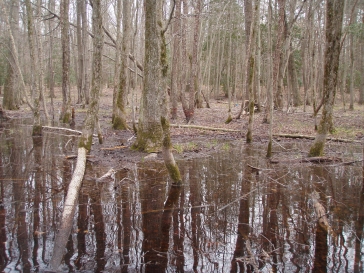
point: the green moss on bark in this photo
(66, 117)
(119, 123)
(37, 130)
(149, 139)
(269, 149)
(174, 173)
(317, 149)
(85, 142)
(229, 119)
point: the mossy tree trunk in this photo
(119, 116)
(334, 20)
(85, 141)
(150, 133)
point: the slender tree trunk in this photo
(270, 106)
(85, 80)
(175, 79)
(352, 71)
(80, 56)
(278, 54)
(65, 41)
(292, 77)
(39, 40)
(119, 118)
(117, 58)
(11, 99)
(334, 20)
(229, 119)
(34, 64)
(251, 69)
(85, 141)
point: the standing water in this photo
(236, 212)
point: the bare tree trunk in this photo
(119, 118)
(175, 78)
(86, 84)
(278, 54)
(38, 37)
(65, 41)
(270, 106)
(150, 133)
(80, 53)
(251, 69)
(334, 20)
(34, 64)
(292, 78)
(352, 71)
(11, 99)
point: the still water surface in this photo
(235, 212)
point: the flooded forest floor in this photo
(208, 132)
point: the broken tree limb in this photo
(61, 130)
(203, 128)
(68, 210)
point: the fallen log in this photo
(316, 159)
(61, 130)
(313, 137)
(204, 128)
(113, 148)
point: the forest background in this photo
(47, 50)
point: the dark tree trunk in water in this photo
(334, 20)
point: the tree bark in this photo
(119, 117)
(175, 78)
(150, 133)
(65, 41)
(11, 99)
(34, 64)
(278, 54)
(334, 20)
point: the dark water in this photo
(235, 212)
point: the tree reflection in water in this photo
(236, 212)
